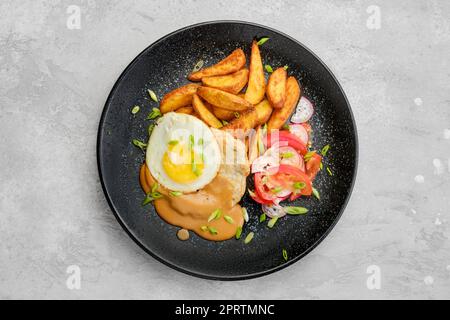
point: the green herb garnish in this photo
(153, 195)
(262, 41)
(238, 232)
(245, 214)
(175, 193)
(316, 193)
(272, 222)
(173, 142)
(237, 115)
(140, 144)
(299, 185)
(215, 215)
(268, 68)
(152, 95)
(325, 150)
(228, 219)
(151, 126)
(135, 109)
(285, 67)
(276, 189)
(285, 255)
(262, 217)
(204, 228)
(212, 230)
(224, 122)
(287, 155)
(329, 171)
(200, 142)
(249, 237)
(198, 66)
(295, 210)
(309, 155)
(154, 114)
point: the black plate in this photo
(163, 66)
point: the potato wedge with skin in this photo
(246, 121)
(276, 88)
(256, 87)
(204, 112)
(186, 110)
(263, 111)
(280, 116)
(178, 98)
(224, 114)
(253, 151)
(223, 99)
(234, 62)
(232, 83)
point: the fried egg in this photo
(182, 153)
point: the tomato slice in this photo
(261, 190)
(258, 199)
(313, 166)
(285, 136)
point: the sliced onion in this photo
(274, 210)
(300, 131)
(303, 112)
(264, 162)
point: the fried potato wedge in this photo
(234, 62)
(276, 88)
(263, 111)
(232, 83)
(224, 114)
(253, 141)
(245, 121)
(256, 87)
(280, 116)
(204, 112)
(223, 99)
(178, 98)
(186, 110)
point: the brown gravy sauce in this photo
(192, 210)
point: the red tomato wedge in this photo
(284, 178)
(285, 136)
(313, 166)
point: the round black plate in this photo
(164, 66)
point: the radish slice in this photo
(264, 162)
(300, 131)
(303, 112)
(274, 210)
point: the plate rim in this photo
(186, 270)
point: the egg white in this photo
(177, 126)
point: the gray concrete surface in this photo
(53, 84)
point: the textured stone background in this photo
(54, 82)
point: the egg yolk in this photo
(181, 163)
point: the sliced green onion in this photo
(325, 150)
(272, 222)
(245, 214)
(204, 228)
(198, 66)
(173, 142)
(277, 189)
(309, 155)
(135, 109)
(212, 230)
(249, 237)
(237, 115)
(262, 217)
(228, 219)
(262, 41)
(285, 255)
(287, 155)
(268, 68)
(200, 142)
(155, 187)
(286, 127)
(154, 114)
(238, 232)
(152, 95)
(316, 193)
(175, 193)
(285, 67)
(140, 144)
(329, 171)
(299, 185)
(295, 210)
(215, 215)
(224, 122)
